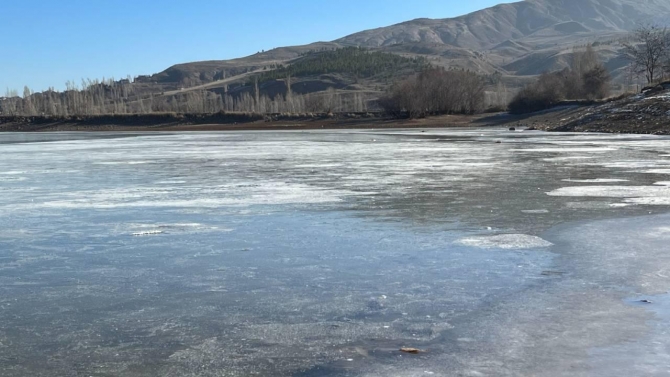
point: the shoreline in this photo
(243, 122)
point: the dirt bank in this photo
(646, 113)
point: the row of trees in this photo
(101, 99)
(436, 91)
(92, 97)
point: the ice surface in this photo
(506, 241)
(292, 253)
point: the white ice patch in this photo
(13, 172)
(535, 211)
(148, 233)
(123, 162)
(637, 164)
(588, 205)
(567, 158)
(171, 228)
(505, 241)
(660, 232)
(12, 179)
(612, 191)
(650, 201)
(648, 195)
(567, 150)
(658, 171)
(597, 180)
(234, 194)
(171, 182)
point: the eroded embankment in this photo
(645, 113)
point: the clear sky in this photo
(47, 42)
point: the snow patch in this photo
(665, 97)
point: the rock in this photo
(512, 129)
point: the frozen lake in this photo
(321, 253)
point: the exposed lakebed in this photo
(322, 253)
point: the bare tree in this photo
(584, 60)
(436, 91)
(647, 51)
(596, 82)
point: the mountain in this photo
(536, 21)
(516, 41)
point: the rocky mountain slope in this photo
(532, 23)
(516, 41)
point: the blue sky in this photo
(47, 42)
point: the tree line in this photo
(586, 78)
(432, 91)
(109, 97)
(436, 90)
